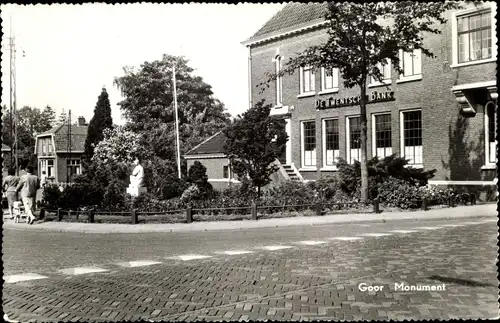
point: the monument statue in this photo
(137, 180)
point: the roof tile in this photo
(293, 14)
(213, 145)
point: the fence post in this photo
(59, 214)
(91, 216)
(254, 211)
(451, 202)
(42, 214)
(189, 215)
(376, 206)
(134, 216)
(319, 208)
(424, 204)
(473, 199)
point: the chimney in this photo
(81, 121)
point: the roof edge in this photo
(285, 32)
(201, 143)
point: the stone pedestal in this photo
(135, 191)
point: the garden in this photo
(395, 185)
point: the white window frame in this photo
(77, 164)
(488, 148)
(302, 147)
(348, 138)
(312, 90)
(279, 81)
(454, 39)
(374, 133)
(414, 77)
(402, 136)
(335, 77)
(323, 141)
(387, 78)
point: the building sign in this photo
(354, 100)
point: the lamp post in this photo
(176, 122)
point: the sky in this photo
(67, 53)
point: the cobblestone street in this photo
(293, 273)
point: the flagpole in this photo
(176, 123)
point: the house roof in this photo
(213, 145)
(293, 15)
(60, 133)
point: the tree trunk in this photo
(364, 145)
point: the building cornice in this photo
(285, 32)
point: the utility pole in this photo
(13, 103)
(68, 168)
(176, 123)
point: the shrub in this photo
(114, 195)
(380, 170)
(52, 196)
(326, 187)
(396, 192)
(436, 194)
(198, 176)
(289, 193)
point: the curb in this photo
(483, 212)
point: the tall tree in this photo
(254, 141)
(63, 118)
(149, 107)
(100, 121)
(48, 118)
(362, 37)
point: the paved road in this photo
(317, 277)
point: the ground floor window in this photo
(308, 129)
(331, 142)
(225, 171)
(412, 136)
(382, 137)
(47, 166)
(491, 127)
(74, 167)
(353, 126)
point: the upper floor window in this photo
(307, 84)
(474, 36)
(44, 146)
(490, 129)
(329, 79)
(411, 64)
(385, 70)
(225, 171)
(279, 80)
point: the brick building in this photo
(56, 157)
(440, 114)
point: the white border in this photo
(454, 39)
(302, 148)
(324, 166)
(402, 138)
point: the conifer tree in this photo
(100, 121)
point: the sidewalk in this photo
(485, 210)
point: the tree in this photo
(48, 118)
(149, 108)
(63, 118)
(100, 121)
(254, 141)
(361, 36)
